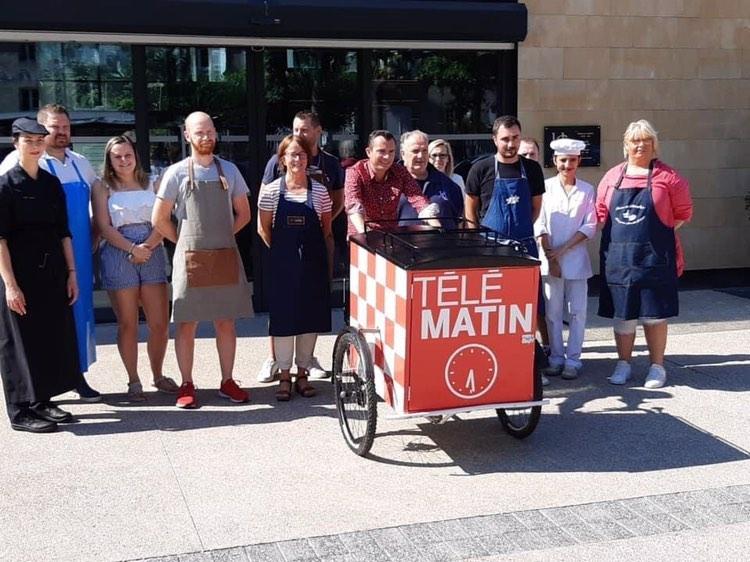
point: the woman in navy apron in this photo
(294, 220)
(640, 204)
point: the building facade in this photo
(448, 67)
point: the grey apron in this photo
(208, 280)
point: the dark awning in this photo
(393, 20)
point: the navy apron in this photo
(300, 293)
(510, 210)
(637, 257)
(77, 197)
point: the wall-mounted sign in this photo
(590, 134)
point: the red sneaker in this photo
(229, 389)
(186, 396)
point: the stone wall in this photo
(682, 64)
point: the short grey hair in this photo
(415, 133)
(640, 129)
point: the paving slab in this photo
(225, 481)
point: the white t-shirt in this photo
(64, 171)
(562, 215)
(268, 200)
(131, 207)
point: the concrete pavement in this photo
(263, 480)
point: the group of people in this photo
(47, 235)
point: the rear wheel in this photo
(354, 388)
(521, 422)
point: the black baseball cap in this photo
(28, 126)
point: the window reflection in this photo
(303, 79)
(448, 94)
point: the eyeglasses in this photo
(438, 155)
(296, 155)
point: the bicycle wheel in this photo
(520, 422)
(354, 388)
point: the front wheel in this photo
(354, 388)
(520, 422)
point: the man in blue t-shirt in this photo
(436, 186)
(325, 168)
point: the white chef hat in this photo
(567, 147)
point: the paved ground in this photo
(610, 472)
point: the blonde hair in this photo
(640, 129)
(442, 142)
(108, 173)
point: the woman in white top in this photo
(441, 156)
(566, 222)
(133, 261)
(294, 221)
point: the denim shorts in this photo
(118, 272)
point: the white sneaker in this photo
(315, 371)
(621, 374)
(656, 377)
(269, 371)
(545, 381)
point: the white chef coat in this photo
(562, 215)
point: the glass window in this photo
(185, 79)
(92, 80)
(448, 94)
(324, 81)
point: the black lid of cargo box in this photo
(419, 247)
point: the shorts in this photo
(118, 272)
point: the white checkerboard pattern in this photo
(378, 307)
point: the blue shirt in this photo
(441, 190)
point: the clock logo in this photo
(471, 371)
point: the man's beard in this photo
(60, 141)
(204, 148)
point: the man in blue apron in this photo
(208, 197)
(504, 191)
(77, 178)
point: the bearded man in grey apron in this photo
(208, 197)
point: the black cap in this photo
(28, 126)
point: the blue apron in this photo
(300, 293)
(637, 257)
(77, 197)
(510, 210)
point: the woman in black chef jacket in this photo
(38, 348)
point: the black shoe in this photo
(48, 411)
(29, 422)
(86, 393)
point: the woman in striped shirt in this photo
(294, 221)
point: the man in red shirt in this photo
(373, 186)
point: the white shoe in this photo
(545, 381)
(656, 377)
(269, 371)
(621, 374)
(315, 371)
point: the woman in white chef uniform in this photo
(566, 222)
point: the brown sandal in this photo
(284, 392)
(305, 390)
